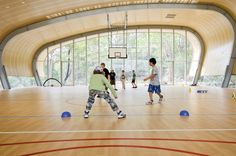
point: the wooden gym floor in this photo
(30, 123)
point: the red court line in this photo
(138, 139)
(115, 146)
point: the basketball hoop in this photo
(117, 51)
(117, 55)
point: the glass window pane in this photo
(211, 80)
(67, 63)
(80, 62)
(193, 47)
(191, 70)
(167, 45)
(118, 39)
(1, 88)
(21, 82)
(117, 66)
(142, 54)
(167, 72)
(54, 62)
(104, 50)
(155, 44)
(232, 83)
(179, 72)
(130, 62)
(180, 46)
(131, 39)
(92, 54)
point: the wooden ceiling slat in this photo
(33, 11)
(19, 52)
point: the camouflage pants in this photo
(102, 94)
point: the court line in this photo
(117, 146)
(104, 115)
(115, 139)
(127, 130)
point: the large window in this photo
(131, 61)
(167, 56)
(177, 53)
(80, 61)
(142, 53)
(92, 54)
(232, 83)
(1, 86)
(67, 60)
(21, 82)
(208, 80)
(54, 62)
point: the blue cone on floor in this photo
(184, 113)
(66, 115)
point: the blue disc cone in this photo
(184, 113)
(65, 115)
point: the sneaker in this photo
(149, 102)
(116, 89)
(161, 98)
(121, 115)
(86, 114)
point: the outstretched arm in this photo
(106, 82)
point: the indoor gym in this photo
(50, 49)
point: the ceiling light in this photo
(194, 1)
(170, 15)
(22, 2)
(7, 7)
(76, 10)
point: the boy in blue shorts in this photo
(154, 85)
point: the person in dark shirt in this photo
(105, 71)
(106, 74)
(133, 80)
(113, 78)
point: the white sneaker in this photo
(149, 103)
(121, 115)
(86, 114)
(161, 99)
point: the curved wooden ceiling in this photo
(18, 54)
(212, 26)
(18, 13)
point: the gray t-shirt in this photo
(155, 81)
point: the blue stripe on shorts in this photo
(154, 89)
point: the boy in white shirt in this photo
(154, 85)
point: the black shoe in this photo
(121, 115)
(116, 89)
(86, 114)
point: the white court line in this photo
(128, 130)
